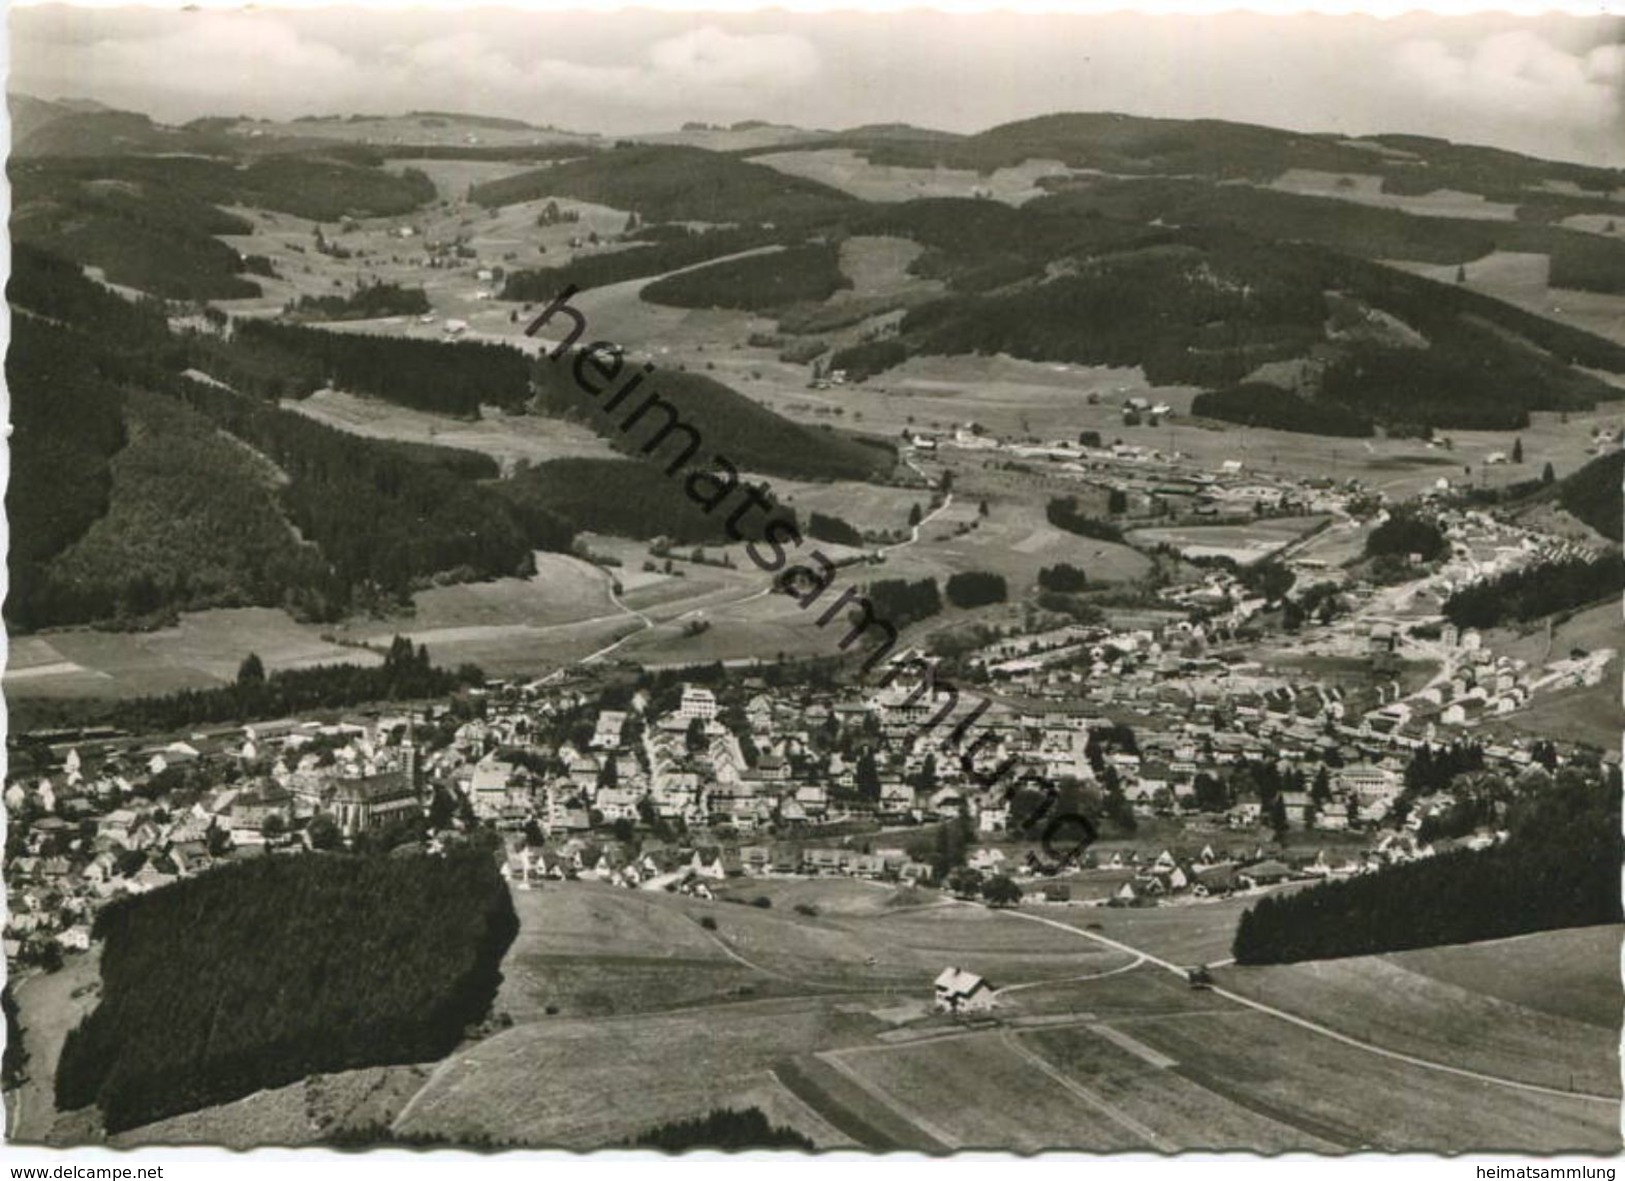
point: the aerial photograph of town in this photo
(753, 581)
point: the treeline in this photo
(368, 302)
(67, 424)
(1406, 533)
(727, 1130)
(976, 588)
(671, 183)
(1593, 494)
(1559, 868)
(1080, 278)
(152, 222)
(902, 602)
(863, 361)
(979, 246)
(809, 273)
(1535, 592)
(257, 975)
(405, 675)
(1259, 405)
(1199, 315)
(192, 520)
(730, 425)
(1063, 512)
(452, 379)
(159, 241)
(669, 249)
(626, 498)
(830, 528)
(1063, 578)
(381, 515)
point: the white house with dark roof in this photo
(959, 991)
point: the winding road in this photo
(1316, 1027)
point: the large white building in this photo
(697, 703)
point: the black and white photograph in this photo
(886, 582)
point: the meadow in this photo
(626, 1010)
(1243, 544)
(1453, 1013)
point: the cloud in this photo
(259, 64)
(1521, 77)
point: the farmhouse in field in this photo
(959, 991)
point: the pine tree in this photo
(868, 776)
(251, 671)
(1517, 451)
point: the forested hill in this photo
(151, 221)
(1216, 149)
(1558, 868)
(224, 984)
(1593, 494)
(672, 184)
(136, 492)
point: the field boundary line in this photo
(1326, 1031)
(754, 967)
(1133, 1046)
(890, 1102)
(1117, 971)
(1077, 1089)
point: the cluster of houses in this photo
(763, 779)
(118, 820)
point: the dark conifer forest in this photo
(260, 974)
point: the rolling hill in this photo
(672, 184)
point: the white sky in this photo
(1551, 86)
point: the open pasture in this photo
(863, 506)
(303, 1113)
(1177, 1110)
(1367, 189)
(878, 266)
(1244, 544)
(202, 650)
(564, 589)
(985, 1091)
(453, 178)
(1524, 280)
(1363, 1100)
(588, 1083)
(506, 438)
(1378, 1000)
(845, 169)
(845, 945)
(1587, 713)
(1572, 973)
(1198, 933)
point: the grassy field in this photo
(1243, 544)
(1383, 1000)
(1523, 280)
(844, 169)
(1196, 934)
(628, 1012)
(563, 590)
(49, 1005)
(1519, 971)
(204, 649)
(303, 1113)
(1174, 1108)
(982, 1091)
(1343, 1094)
(506, 438)
(589, 1083)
